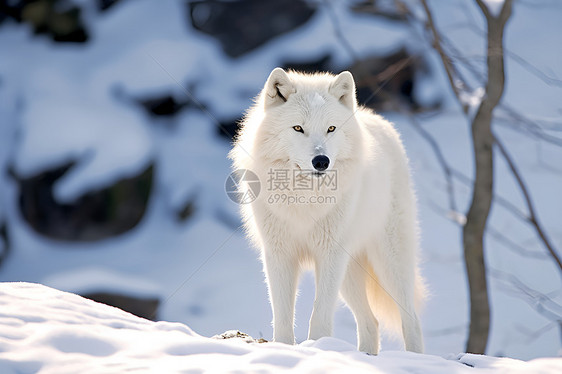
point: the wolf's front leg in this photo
(330, 270)
(282, 273)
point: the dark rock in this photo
(228, 129)
(389, 9)
(165, 105)
(186, 210)
(243, 25)
(12, 10)
(384, 83)
(236, 334)
(142, 307)
(94, 216)
(104, 5)
(56, 18)
(322, 64)
(4, 242)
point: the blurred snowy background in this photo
(116, 117)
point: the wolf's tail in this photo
(384, 306)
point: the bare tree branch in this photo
(459, 329)
(440, 158)
(512, 245)
(530, 206)
(338, 31)
(502, 18)
(533, 335)
(551, 81)
(463, 178)
(496, 234)
(447, 63)
(533, 70)
(532, 126)
(539, 301)
(484, 9)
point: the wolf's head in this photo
(306, 126)
(308, 121)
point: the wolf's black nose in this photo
(321, 162)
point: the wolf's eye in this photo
(331, 129)
(298, 129)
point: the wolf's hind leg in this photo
(411, 330)
(401, 278)
(354, 293)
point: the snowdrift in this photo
(43, 330)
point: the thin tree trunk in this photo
(477, 216)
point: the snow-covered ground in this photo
(42, 329)
(203, 270)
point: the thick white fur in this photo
(364, 245)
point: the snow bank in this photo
(56, 134)
(49, 331)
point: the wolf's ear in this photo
(343, 88)
(278, 88)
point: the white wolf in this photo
(362, 241)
